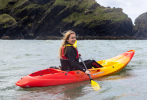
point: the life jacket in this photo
(63, 55)
(65, 63)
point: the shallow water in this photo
(19, 58)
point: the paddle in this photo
(94, 85)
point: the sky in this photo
(133, 8)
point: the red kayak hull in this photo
(51, 77)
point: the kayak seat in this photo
(66, 65)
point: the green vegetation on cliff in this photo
(89, 12)
(4, 3)
(44, 18)
(80, 3)
(7, 20)
(97, 19)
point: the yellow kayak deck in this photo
(112, 65)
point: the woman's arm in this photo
(71, 53)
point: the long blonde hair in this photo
(66, 36)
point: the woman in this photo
(69, 55)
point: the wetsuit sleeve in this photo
(72, 58)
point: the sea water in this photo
(19, 58)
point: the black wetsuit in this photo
(71, 55)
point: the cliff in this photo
(46, 19)
(141, 25)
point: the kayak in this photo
(52, 77)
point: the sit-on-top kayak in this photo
(51, 76)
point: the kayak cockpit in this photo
(44, 72)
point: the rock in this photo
(5, 37)
(44, 19)
(6, 22)
(88, 12)
(141, 25)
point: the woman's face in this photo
(72, 39)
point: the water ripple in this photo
(19, 58)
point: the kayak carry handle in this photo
(131, 51)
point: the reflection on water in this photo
(73, 91)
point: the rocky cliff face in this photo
(141, 25)
(46, 19)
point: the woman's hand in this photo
(79, 54)
(87, 72)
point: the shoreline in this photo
(78, 38)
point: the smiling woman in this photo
(72, 39)
(69, 55)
